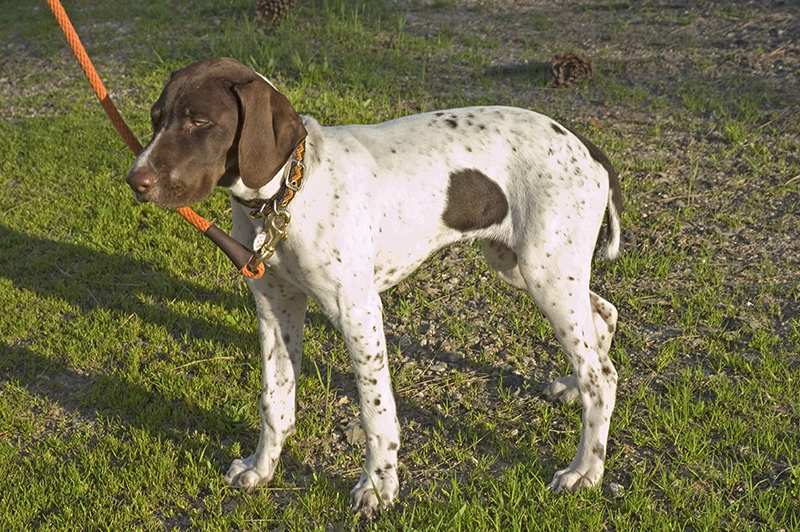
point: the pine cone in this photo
(271, 12)
(570, 68)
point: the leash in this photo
(244, 259)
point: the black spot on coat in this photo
(613, 177)
(599, 450)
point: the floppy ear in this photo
(269, 131)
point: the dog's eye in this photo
(200, 122)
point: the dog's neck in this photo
(241, 191)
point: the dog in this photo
(376, 201)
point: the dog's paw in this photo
(372, 494)
(245, 475)
(574, 478)
(564, 389)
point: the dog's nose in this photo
(140, 180)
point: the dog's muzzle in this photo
(141, 181)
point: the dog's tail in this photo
(613, 209)
(614, 206)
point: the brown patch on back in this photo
(473, 201)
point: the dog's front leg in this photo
(361, 323)
(281, 310)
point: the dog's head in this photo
(215, 121)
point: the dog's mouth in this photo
(169, 195)
(140, 198)
(147, 187)
(170, 188)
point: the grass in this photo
(128, 367)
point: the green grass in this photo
(128, 356)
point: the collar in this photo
(292, 180)
(273, 211)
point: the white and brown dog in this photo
(377, 200)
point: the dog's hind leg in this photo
(565, 389)
(559, 284)
(605, 322)
(504, 261)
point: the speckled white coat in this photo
(372, 209)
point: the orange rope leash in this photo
(195, 219)
(74, 42)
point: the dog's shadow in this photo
(69, 272)
(53, 269)
(493, 384)
(90, 279)
(492, 380)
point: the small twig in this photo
(94, 298)
(443, 379)
(776, 52)
(670, 199)
(740, 26)
(113, 283)
(57, 267)
(692, 178)
(448, 464)
(126, 320)
(772, 480)
(792, 180)
(18, 205)
(200, 361)
(417, 385)
(780, 115)
(445, 296)
(763, 481)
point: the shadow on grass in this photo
(112, 396)
(534, 71)
(135, 405)
(91, 279)
(67, 271)
(477, 438)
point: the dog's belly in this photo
(406, 232)
(393, 264)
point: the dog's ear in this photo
(269, 130)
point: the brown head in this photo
(215, 121)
